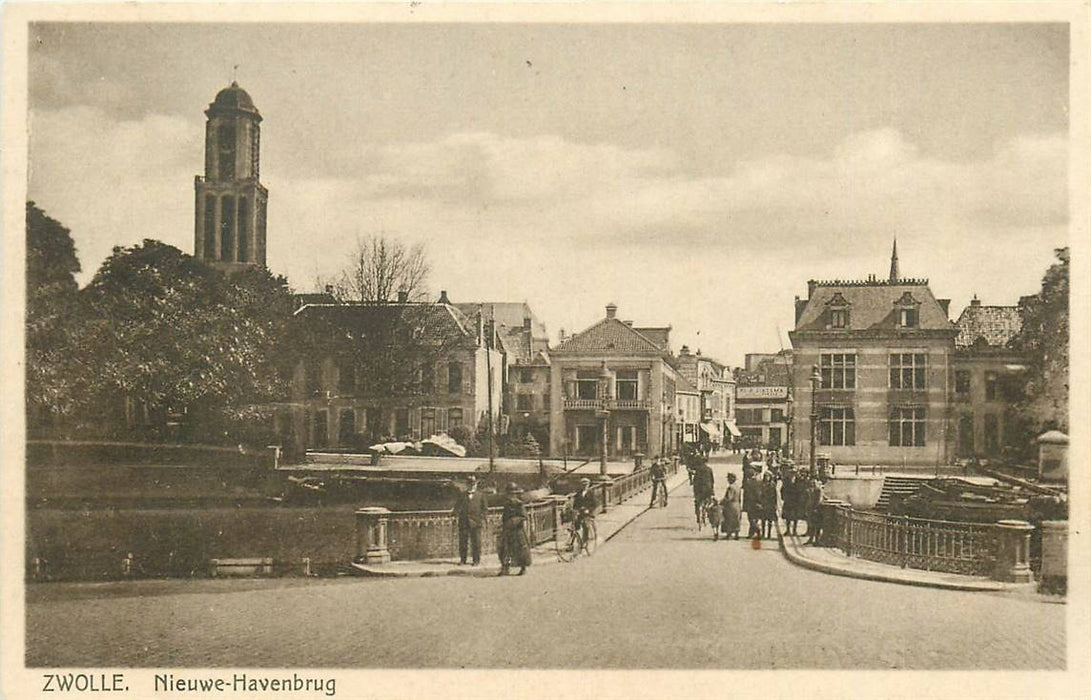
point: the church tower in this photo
(229, 225)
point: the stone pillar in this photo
(1013, 551)
(605, 485)
(371, 535)
(1054, 573)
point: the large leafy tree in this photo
(51, 267)
(1044, 338)
(161, 328)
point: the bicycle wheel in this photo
(567, 544)
(588, 547)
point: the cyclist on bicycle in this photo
(584, 505)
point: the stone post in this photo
(558, 503)
(1054, 573)
(371, 535)
(1013, 551)
(606, 484)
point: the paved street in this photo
(659, 595)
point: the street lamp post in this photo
(816, 380)
(789, 405)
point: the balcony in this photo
(612, 404)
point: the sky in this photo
(696, 175)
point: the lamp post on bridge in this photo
(816, 381)
(789, 405)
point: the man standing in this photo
(704, 486)
(472, 510)
(659, 481)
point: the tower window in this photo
(244, 230)
(225, 138)
(210, 227)
(227, 228)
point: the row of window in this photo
(626, 385)
(347, 384)
(907, 318)
(756, 416)
(993, 387)
(525, 402)
(907, 370)
(377, 424)
(837, 426)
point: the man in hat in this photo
(472, 509)
(584, 504)
(659, 481)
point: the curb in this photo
(974, 586)
(542, 558)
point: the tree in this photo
(1044, 339)
(161, 329)
(379, 268)
(51, 266)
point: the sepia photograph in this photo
(470, 342)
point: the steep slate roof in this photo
(871, 306)
(770, 373)
(609, 336)
(996, 325)
(440, 321)
(505, 313)
(683, 384)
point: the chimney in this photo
(329, 289)
(403, 296)
(611, 310)
(811, 286)
(684, 351)
(560, 336)
(443, 297)
(975, 301)
(526, 323)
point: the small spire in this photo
(894, 276)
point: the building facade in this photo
(884, 350)
(989, 377)
(401, 371)
(610, 382)
(716, 388)
(231, 202)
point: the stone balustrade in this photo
(383, 535)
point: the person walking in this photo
(659, 481)
(732, 507)
(768, 505)
(814, 510)
(704, 486)
(790, 501)
(751, 503)
(471, 509)
(514, 549)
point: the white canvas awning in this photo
(733, 429)
(712, 430)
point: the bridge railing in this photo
(383, 535)
(999, 550)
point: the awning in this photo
(712, 430)
(733, 429)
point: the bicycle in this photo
(660, 494)
(572, 544)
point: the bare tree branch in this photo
(379, 267)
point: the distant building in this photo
(231, 202)
(615, 367)
(391, 371)
(885, 350)
(716, 387)
(688, 402)
(525, 344)
(761, 403)
(989, 376)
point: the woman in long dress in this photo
(732, 505)
(514, 549)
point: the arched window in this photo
(244, 230)
(210, 227)
(227, 228)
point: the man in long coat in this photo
(751, 503)
(472, 510)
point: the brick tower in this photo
(229, 222)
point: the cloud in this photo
(570, 225)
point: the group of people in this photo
(513, 546)
(798, 498)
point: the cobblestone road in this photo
(659, 595)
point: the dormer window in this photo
(907, 311)
(838, 311)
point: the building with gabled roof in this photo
(401, 370)
(611, 382)
(989, 377)
(884, 352)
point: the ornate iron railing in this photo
(932, 545)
